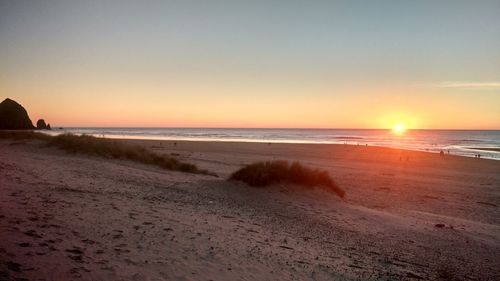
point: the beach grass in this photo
(262, 174)
(23, 135)
(107, 148)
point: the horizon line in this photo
(269, 128)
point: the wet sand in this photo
(406, 216)
(486, 148)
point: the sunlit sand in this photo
(73, 216)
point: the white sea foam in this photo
(458, 142)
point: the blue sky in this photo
(428, 63)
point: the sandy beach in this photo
(406, 216)
(249, 140)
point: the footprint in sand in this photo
(88, 241)
(109, 268)
(76, 254)
(118, 248)
(17, 221)
(75, 250)
(74, 272)
(13, 266)
(130, 262)
(487, 204)
(76, 258)
(102, 262)
(32, 233)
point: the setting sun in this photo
(399, 129)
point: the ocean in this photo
(457, 142)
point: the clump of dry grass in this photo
(108, 148)
(22, 135)
(271, 172)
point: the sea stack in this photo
(13, 116)
(40, 124)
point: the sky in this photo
(279, 64)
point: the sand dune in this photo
(406, 216)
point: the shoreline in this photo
(458, 150)
(494, 149)
(278, 142)
(389, 149)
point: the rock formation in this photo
(40, 124)
(14, 117)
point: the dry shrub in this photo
(23, 135)
(271, 172)
(107, 148)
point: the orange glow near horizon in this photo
(399, 129)
(257, 106)
(295, 113)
